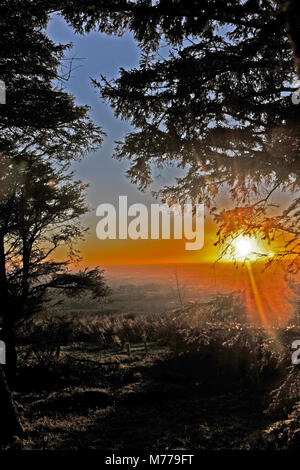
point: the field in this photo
(194, 378)
(111, 401)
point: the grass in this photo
(198, 378)
(107, 400)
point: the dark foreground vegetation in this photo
(196, 378)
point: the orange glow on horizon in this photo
(267, 293)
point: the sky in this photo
(145, 261)
(97, 54)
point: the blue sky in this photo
(95, 54)
(99, 54)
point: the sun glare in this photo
(245, 248)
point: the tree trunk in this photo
(10, 423)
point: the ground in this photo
(120, 400)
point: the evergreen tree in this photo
(217, 103)
(41, 132)
(39, 213)
(38, 113)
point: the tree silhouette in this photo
(39, 213)
(213, 95)
(41, 132)
(38, 113)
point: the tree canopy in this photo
(38, 113)
(212, 95)
(40, 212)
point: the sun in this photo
(245, 248)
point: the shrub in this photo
(45, 336)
